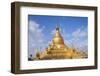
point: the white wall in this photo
(5, 32)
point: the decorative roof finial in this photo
(57, 27)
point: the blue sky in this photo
(42, 28)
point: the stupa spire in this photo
(57, 27)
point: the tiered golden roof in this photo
(58, 50)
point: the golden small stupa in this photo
(58, 50)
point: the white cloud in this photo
(35, 29)
(36, 37)
(80, 32)
(77, 39)
(80, 39)
(53, 32)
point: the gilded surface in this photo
(58, 50)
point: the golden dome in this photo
(57, 37)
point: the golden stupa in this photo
(58, 50)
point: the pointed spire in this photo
(57, 37)
(57, 27)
